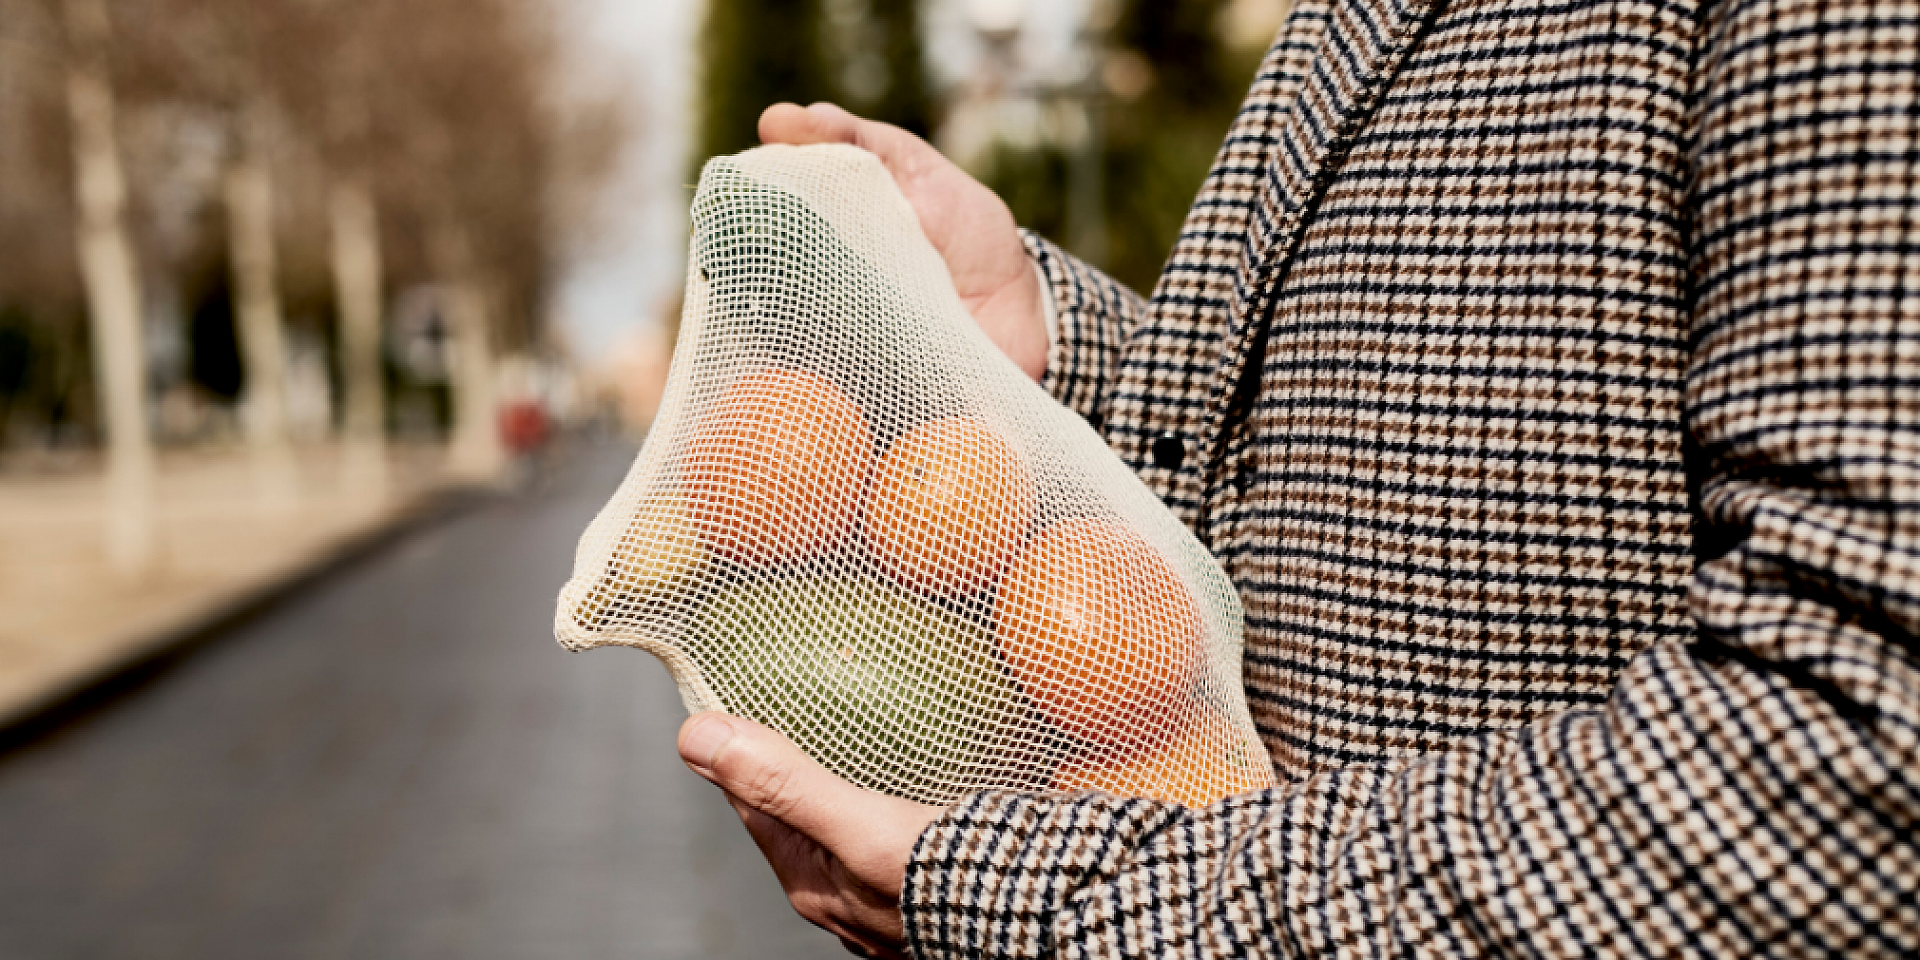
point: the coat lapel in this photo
(1360, 50)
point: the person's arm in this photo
(1092, 315)
(1756, 792)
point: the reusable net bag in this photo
(857, 522)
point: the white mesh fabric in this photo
(857, 522)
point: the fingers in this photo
(860, 949)
(872, 833)
(798, 125)
(764, 770)
(820, 888)
(904, 154)
(840, 852)
(969, 226)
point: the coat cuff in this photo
(990, 878)
(1092, 313)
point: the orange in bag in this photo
(1101, 634)
(778, 472)
(951, 505)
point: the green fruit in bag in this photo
(882, 688)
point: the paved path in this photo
(397, 763)
(224, 533)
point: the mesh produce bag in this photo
(857, 522)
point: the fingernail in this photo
(706, 738)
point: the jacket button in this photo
(1243, 479)
(1169, 451)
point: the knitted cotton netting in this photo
(854, 520)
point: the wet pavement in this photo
(397, 762)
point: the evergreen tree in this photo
(755, 53)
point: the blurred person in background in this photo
(1547, 376)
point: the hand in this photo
(840, 852)
(971, 228)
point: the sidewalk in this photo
(67, 619)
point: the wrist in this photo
(1028, 321)
(1049, 312)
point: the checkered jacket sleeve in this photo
(1752, 791)
(1094, 314)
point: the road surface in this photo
(397, 762)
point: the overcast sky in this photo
(616, 294)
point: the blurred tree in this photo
(36, 200)
(329, 84)
(460, 116)
(46, 386)
(864, 54)
(1175, 86)
(451, 152)
(42, 302)
(112, 282)
(1165, 92)
(906, 100)
(754, 53)
(354, 222)
(214, 352)
(882, 71)
(381, 144)
(225, 57)
(493, 163)
(16, 361)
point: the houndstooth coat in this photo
(1546, 373)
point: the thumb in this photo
(764, 770)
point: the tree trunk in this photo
(357, 290)
(263, 349)
(113, 293)
(476, 452)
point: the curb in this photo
(148, 658)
